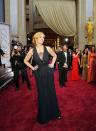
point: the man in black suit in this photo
(63, 63)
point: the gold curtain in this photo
(59, 15)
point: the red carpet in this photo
(77, 103)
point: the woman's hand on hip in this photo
(35, 68)
(51, 65)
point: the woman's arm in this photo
(82, 61)
(27, 58)
(53, 54)
(89, 60)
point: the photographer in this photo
(1, 54)
(17, 63)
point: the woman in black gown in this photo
(44, 75)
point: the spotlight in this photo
(66, 39)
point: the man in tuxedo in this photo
(63, 63)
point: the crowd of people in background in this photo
(82, 64)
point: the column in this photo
(89, 9)
(18, 20)
(31, 6)
(7, 11)
(14, 17)
(81, 20)
(1, 10)
(85, 10)
(22, 22)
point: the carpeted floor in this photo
(77, 103)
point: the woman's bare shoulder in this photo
(30, 51)
(48, 48)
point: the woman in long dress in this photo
(75, 67)
(44, 75)
(84, 64)
(92, 65)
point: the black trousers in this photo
(62, 76)
(24, 77)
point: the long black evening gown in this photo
(47, 101)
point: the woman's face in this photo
(64, 48)
(40, 40)
(77, 50)
(93, 49)
(86, 51)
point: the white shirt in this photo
(65, 57)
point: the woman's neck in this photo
(39, 45)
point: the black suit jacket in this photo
(62, 59)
